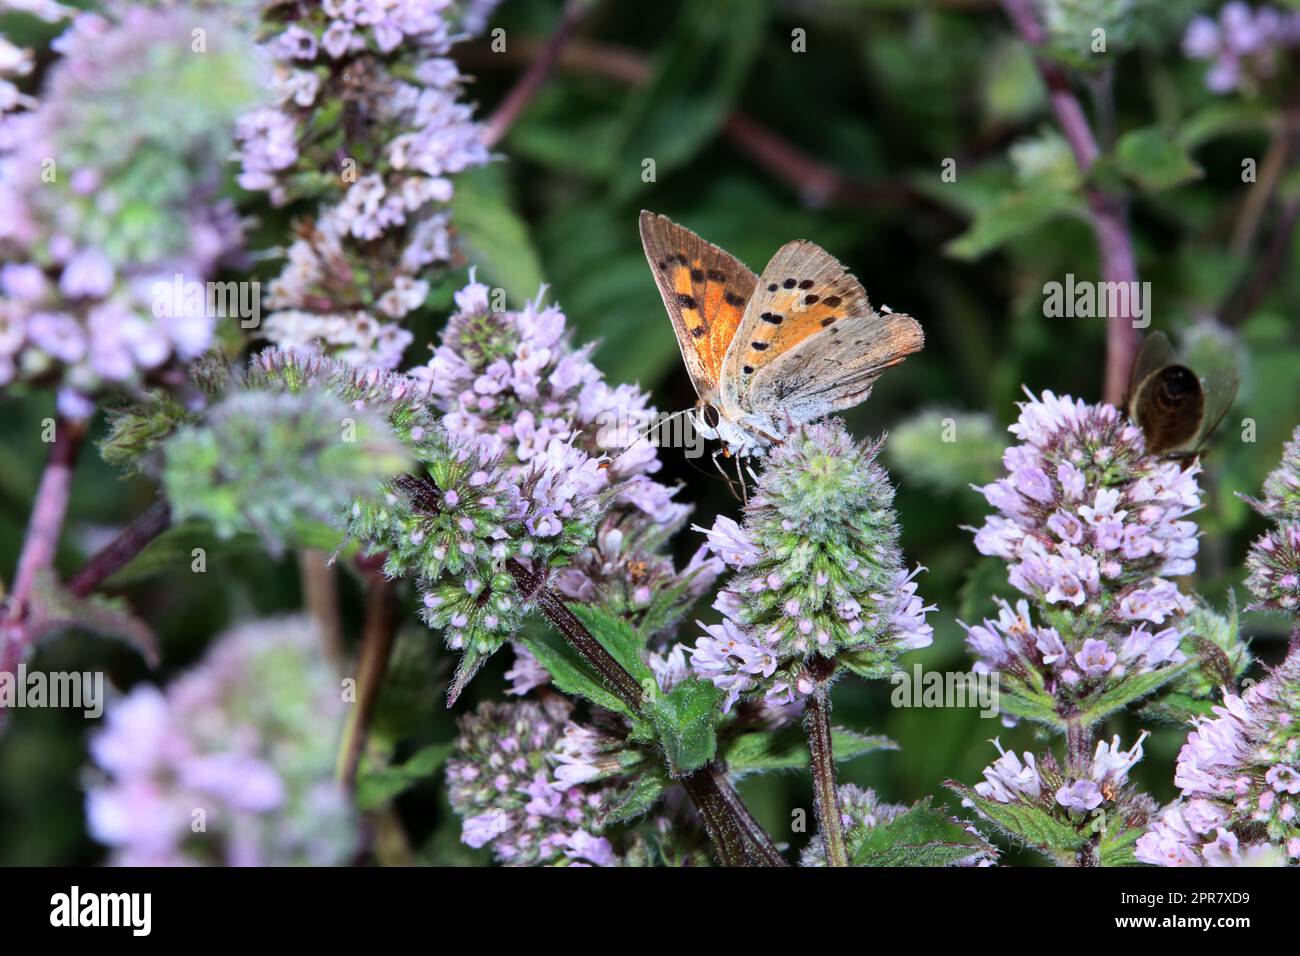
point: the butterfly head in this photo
(706, 418)
(736, 439)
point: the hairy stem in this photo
(736, 835)
(1078, 743)
(129, 542)
(826, 798)
(1109, 212)
(376, 648)
(40, 545)
(557, 612)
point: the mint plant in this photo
(408, 563)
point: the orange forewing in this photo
(705, 290)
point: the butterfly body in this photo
(769, 353)
(1174, 406)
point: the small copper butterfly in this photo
(767, 353)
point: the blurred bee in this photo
(1176, 408)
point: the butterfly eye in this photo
(710, 415)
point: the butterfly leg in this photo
(744, 492)
(731, 486)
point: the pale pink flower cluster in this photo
(1092, 529)
(1239, 773)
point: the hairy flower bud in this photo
(818, 572)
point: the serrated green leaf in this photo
(922, 836)
(686, 720)
(787, 749)
(377, 786)
(1031, 826)
(1028, 704)
(643, 795)
(1011, 216)
(492, 235)
(618, 637)
(571, 674)
(1154, 159)
(1131, 689)
(869, 663)
(1177, 708)
(1117, 849)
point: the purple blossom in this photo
(1092, 547)
(1238, 777)
(262, 774)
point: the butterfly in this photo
(768, 353)
(1176, 408)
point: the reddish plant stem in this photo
(814, 181)
(826, 798)
(736, 835)
(376, 649)
(1109, 212)
(320, 595)
(517, 100)
(40, 545)
(129, 542)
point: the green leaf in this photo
(1117, 848)
(617, 636)
(377, 786)
(1029, 704)
(922, 836)
(697, 74)
(643, 795)
(1032, 826)
(1128, 690)
(1155, 159)
(571, 674)
(787, 749)
(1224, 117)
(492, 236)
(97, 613)
(686, 720)
(1177, 708)
(1011, 216)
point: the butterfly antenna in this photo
(648, 432)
